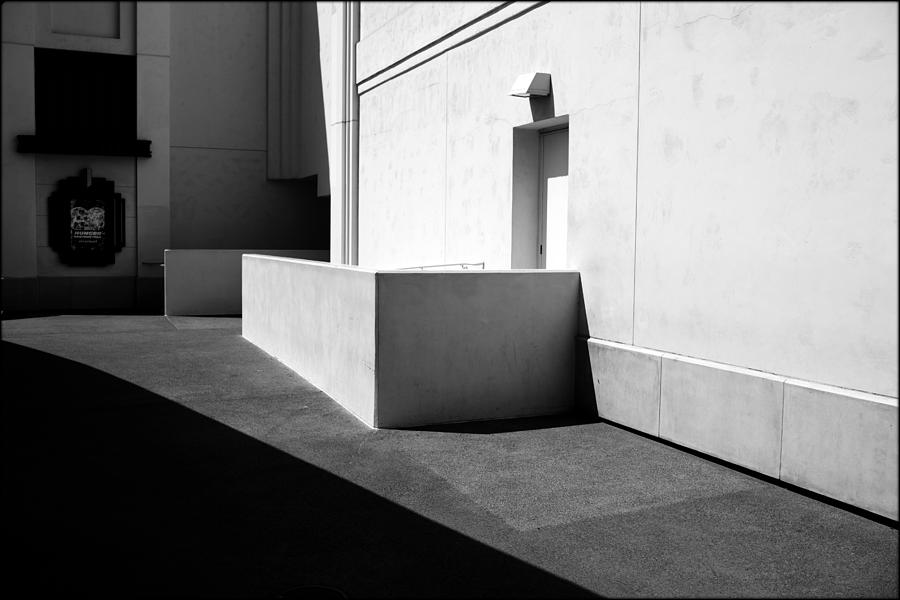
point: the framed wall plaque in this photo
(87, 220)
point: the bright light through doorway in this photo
(557, 220)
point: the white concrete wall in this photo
(319, 320)
(401, 197)
(408, 348)
(474, 345)
(767, 210)
(732, 192)
(450, 177)
(390, 31)
(208, 282)
(732, 197)
(330, 58)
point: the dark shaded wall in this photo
(221, 196)
(34, 276)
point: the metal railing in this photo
(448, 266)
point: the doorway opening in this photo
(553, 205)
(540, 194)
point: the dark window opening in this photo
(85, 94)
(85, 103)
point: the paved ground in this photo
(154, 456)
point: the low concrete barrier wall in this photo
(208, 282)
(319, 320)
(474, 345)
(409, 348)
(837, 442)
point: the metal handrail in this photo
(463, 266)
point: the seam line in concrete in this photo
(781, 440)
(637, 142)
(659, 398)
(446, 144)
(375, 372)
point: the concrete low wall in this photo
(837, 442)
(474, 345)
(319, 320)
(409, 348)
(208, 282)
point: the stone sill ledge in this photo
(35, 144)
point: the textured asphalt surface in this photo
(152, 456)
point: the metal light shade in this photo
(531, 84)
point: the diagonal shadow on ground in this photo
(510, 425)
(111, 489)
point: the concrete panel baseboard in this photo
(726, 412)
(208, 282)
(836, 442)
(626, 384)
(417, 348)
(842, 444)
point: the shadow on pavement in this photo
(510, 425)
(110, 489)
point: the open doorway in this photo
(553, 204)
(540, 194)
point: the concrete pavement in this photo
(154, 456)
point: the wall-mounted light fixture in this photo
(531, 84)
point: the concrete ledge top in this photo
(830, 389)
(621, 346)
(475, 271)
(408, 270)
(311, 263)
(822, 387)
(688, 359)
(261, 251)
(725, 367)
